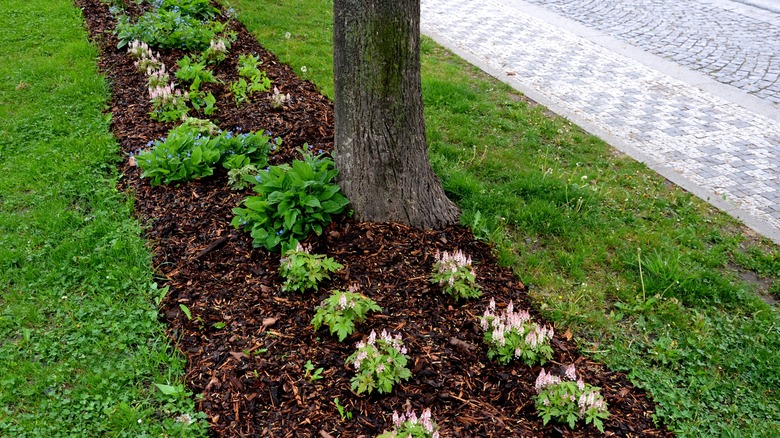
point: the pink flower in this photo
(571, 372)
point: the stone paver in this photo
(734, 49)
(711, 146)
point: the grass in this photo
(648, 277)
(81, 347)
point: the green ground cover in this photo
(81, 347)
(651, 280)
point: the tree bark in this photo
(380, 146)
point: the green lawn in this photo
(646, 275)
(80, 343)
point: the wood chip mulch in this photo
(251, 372)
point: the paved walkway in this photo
(691, 88)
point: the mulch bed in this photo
(251, 372)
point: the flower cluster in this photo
(512, 334)
(342, 310)
(455, 274)
(217, 50)
(145, 60)
(379, 362)
(569, 399)
(410, 425)
(168, 102)
(278, 99)
(157, 78)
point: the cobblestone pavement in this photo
(715, 148)
(734, 49)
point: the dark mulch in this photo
(250, 372)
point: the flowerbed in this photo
(251, 346)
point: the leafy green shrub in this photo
(293, 202)
(182, 156)
(341, 310)
(251, 80)
(569, 400)
(249, 148)
(191, 151)
(303, 270)
(168, 29)
(513, 334)
(380, 363)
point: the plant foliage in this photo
(292, 202)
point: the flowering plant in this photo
(168, 103)
(157, 78)
(410, 425)
(379, 362)
(278, 99)
(303, 270)
(569, 400)
(341, 310)
(455, 274)
(145, 60)
(217, 50)
(513, 334)
(292, 202)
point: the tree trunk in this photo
(380, 146)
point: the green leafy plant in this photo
(201, 9)
(251, 80)
(512, 335)
(303, 271)
(182, 156)
(292, 202)
(310, 373)
(454, 273)
(242, 149)
(342, 310)
(380, 363)
(240, 177)
(190, 71)
(343, 412)
(192, 151)
(569, 400)
(410, 425)
(168, 29)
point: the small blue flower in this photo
(280, 232)
(257, 178)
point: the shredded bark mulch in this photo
(251, 371)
